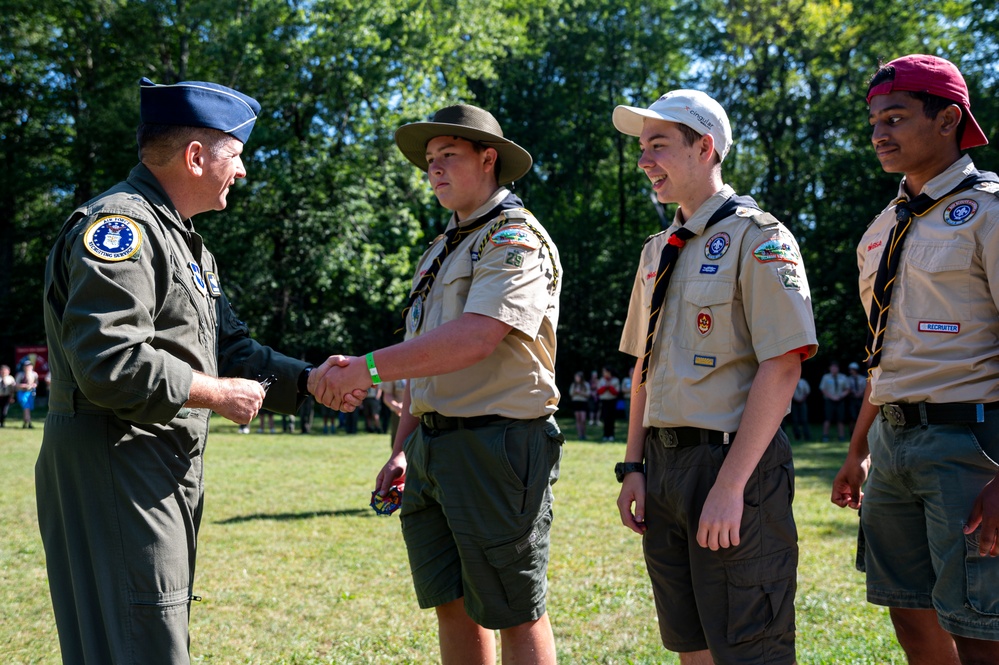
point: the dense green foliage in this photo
(318, 243)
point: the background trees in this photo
(318, 243)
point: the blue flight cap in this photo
(198, 104)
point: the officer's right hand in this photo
(239, 399)
(633, 493)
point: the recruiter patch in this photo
(940, 327)
(716, 246)
(516, 234)
(776, 249)
(113, 238)
(959, 212)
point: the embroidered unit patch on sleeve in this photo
(514, 258)
(776, 248)
(113, 238)
(515, 234)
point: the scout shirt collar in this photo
(144, 182)
(700, 218)
(941, 184)
(493, 201)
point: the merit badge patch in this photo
(705, 361)
(939, 327)
(704, 321)
(716, 246)
(113, 238)
(199, 281)
(514, 258)
(415, 315)
(516, 234)
(776, 249)
(708, 269)
(214, 289)
(959, 212)
(789, 278)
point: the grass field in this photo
(294, 567)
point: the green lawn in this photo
(295, 567)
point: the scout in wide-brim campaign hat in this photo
(468, 122)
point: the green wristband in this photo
(375, 379)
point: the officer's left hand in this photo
(985, 513)
(721, 518)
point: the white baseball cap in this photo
(692, 108)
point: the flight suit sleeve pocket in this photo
(761, 596)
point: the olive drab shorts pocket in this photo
(761, 596)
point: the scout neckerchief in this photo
(453, 238)
(667, 262)
(884, 282)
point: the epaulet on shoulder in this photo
(516, 214)
(990, 186)
(764, 220)
(654, 235)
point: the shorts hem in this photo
(511, 620)
(429, 602)
(685, 647)
(908, 601)
(973, 631)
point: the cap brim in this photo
(630, 119)
(973, 135)
(412, 140)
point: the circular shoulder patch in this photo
(113, 238)
(959, 212)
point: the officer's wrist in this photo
(303, 380)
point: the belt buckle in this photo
(893, 414)
(668, 438)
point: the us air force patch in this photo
(113, 238)
(716, 246)
(959, 212)
(776, 249)
(516, 234)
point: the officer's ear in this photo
(195, 154)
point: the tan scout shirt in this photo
(943, 322)
(508, 282)
(739, 296)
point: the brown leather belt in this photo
(434, 420)
(682, 437)
(924, 413)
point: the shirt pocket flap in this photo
(459, 268)
(936, 257)
(706, 294)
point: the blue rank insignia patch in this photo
(776, 249)
(199, 281)
(213, 284)
(708, 269)
(716, 246)
(516, 234)
(705, 361)
(959, 212)
(113, 238)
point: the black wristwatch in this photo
(303, 381)
(622, 469)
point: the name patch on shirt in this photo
(707, 269)
(113, 238)
(959, 212)
(716, 246)
(939, 327)
(705, 361)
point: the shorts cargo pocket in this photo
(522, 565)
(761, 596)
(982, 597)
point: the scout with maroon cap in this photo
(719, 320)
(927, 437)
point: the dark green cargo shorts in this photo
(476, 514)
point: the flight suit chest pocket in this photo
(705, 316)
(936, 282)
(185, 304)
(455, 284)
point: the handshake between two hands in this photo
(341, 382)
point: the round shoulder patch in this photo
(113, 238)
(959, 212)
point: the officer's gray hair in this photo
(158, 144)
